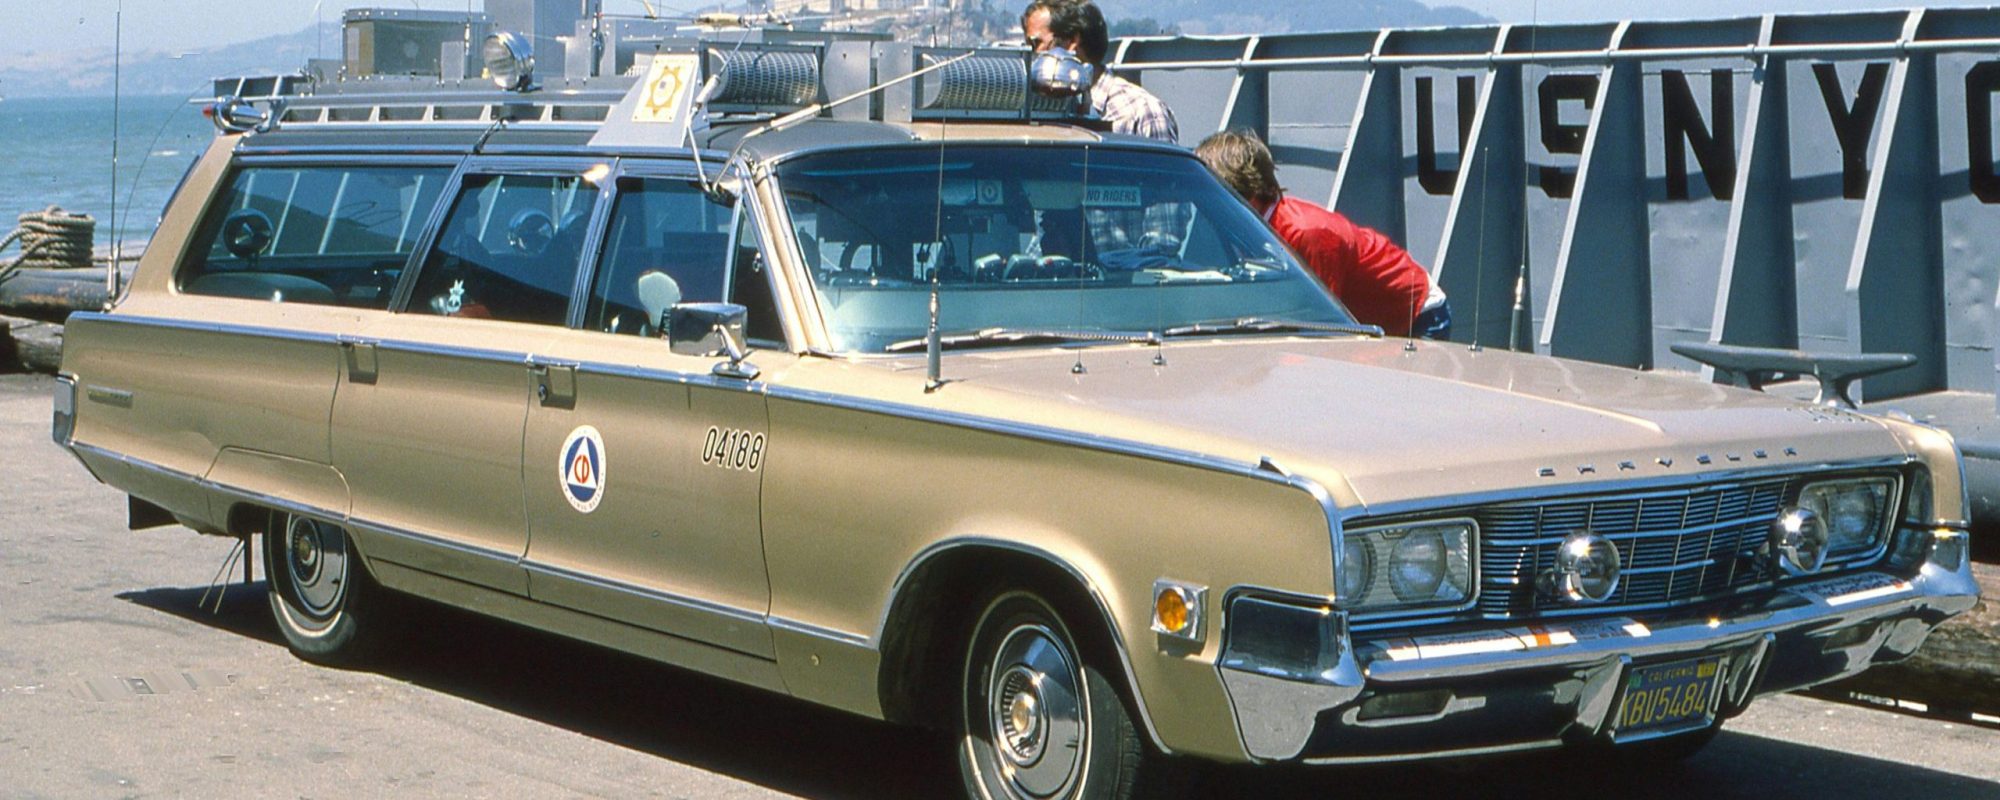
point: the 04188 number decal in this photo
(733, 449)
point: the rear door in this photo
(228, 370)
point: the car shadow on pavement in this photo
(238, 608)
(801, 749)
(711, 724)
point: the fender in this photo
(266, 479)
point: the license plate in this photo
(1664, 698)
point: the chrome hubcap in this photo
(1036, 708)
(316, 559)
(1020, 716)
(305, 551)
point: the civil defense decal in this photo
(580, 471)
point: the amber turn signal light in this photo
(1177, 609)
(1170, 610)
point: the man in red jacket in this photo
(1374, 278)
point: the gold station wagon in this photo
(955, 411)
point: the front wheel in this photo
(319, 588)
(1038, 720)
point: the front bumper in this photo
(1504, 687)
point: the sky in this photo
(55, 26)
(193, 25)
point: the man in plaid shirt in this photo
(1078, 26)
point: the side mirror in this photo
(710, 329)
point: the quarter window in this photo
(326, 235)
(508, 250)
(750, 287)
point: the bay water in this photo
(57, 151)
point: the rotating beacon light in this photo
(1057, 72)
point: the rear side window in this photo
(331, 235)
(508, 250)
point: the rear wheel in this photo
(1038, 719)
(319, 589)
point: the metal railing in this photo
(1603, 191)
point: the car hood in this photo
(1382, 422)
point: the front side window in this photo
(1074, 239)
(332, 235)
(508, 250)
(668, 242)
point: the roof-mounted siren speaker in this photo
(763, 78)
(991, 86)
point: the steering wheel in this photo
(530, 230)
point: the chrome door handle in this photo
(555, 383)
(360, 357)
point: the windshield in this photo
(1075, 239)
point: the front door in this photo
(643, 470)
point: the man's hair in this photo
(1243, 163)
(1075, 19)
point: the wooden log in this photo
(1956, 672)
(31, 344)
(51, 294)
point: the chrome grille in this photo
(1677, 546)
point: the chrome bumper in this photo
(1522, 686)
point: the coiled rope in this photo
(51, 239)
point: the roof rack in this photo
(744, 76)
(743, 83)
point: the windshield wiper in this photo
(993, 337)
(1270, 325)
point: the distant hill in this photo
(155, 72)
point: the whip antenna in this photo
(934, 341)
(117, 238)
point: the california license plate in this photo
(1664, 698)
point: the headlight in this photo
(1798, 537)
(1416, 567)
(1855, 512)
(1407, 566)
(1587, 568)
